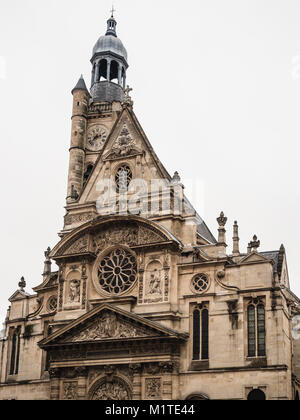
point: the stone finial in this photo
(222, 220)
(236, 239)
(176, 179)
(74, 193)
(47, 263)
(47, 252)
(253, 245)
(22, 284)
(127, 101)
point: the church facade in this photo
(146, 303)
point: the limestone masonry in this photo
(146, 303)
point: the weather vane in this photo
(113, 10)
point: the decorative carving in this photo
(70, 391)
(54, 373)
(132, 235)
(115, 390)
(79, 246)
(81, 371)
(78, 218)
(108, 326)
(52, 304)
(167, 284)
(136, 368)
(153, 388)
(222, 220)
(200, 283)
(154, 289)
(22, 284)
(74, 291)
(127, 99)
(117, 271)
(124, 145)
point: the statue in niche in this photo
(74, 291)
(155, 281)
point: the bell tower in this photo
(109, 62)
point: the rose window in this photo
(123, 178)
(117, 271)
(200, 283)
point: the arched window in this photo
(114, 70)
(102, 70)
(15, 353)
(87, 173)
(256, 395)
(297, 396)
(256, 329)
(200, 334)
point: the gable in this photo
(254, 257)
(127, 143)
(106, 323)
(132, 231)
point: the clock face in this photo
(96, 138)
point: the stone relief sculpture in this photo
(74, 291)
(153, 388)
(154, 283)
(111, 390)
(109, 326)
(123, 146)
(70, 391)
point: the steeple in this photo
(111, 26)
(109, 62)
(80, 85)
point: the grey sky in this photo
(216, 89)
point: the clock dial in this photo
(96, 138)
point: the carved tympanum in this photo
(126, 235)
(115, 390)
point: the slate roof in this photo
(80, 85)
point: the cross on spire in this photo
(113, 10)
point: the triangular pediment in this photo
(254, 257)
(18, 295)
(126, 143)
(107, 323)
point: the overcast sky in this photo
(216, 89)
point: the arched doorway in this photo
(111, 389)
(256, 395)
(197, 397)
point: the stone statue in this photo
(74, 292)
(155, 281)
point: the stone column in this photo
(120, 74)
(82, 373)
(54, 384)
(97, 74)
(236, 239)
(136, 381)
(108, 70)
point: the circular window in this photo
(123, 178)
(200, 283)
(117, 271)
(52, 304)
